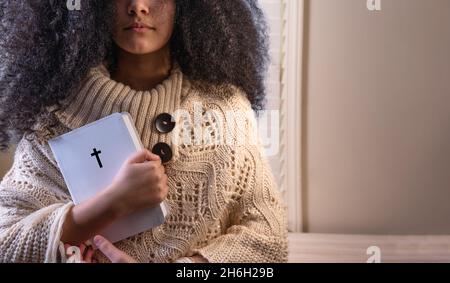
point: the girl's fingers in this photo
(89, 255)
(82, 250)
(111, 252)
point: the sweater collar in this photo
(100, 96)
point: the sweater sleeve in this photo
(33, 204)
(257, 230)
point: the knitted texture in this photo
(223, 201)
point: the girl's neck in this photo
(142, 72)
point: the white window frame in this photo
(291, 128)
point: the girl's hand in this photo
(141, 183)
(111, 252)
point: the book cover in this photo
(90, 157)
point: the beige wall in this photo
(377, 117)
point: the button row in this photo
(164, 123)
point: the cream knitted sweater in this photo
(223, 202)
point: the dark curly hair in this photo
(47, 50)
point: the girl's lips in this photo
(139, 27)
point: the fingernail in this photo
(97, 240)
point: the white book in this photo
(90, 157)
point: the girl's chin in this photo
(141, 50)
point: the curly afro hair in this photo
(47, 50)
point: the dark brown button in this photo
(164, 123)
(164, 151)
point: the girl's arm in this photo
(33, 205)
(258, 223)
(258, 230)
(85, 220)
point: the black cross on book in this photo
(96, 154)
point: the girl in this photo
(189, 72)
